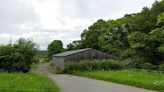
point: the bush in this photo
(140, 63)
(161, 67)
(147, 66)
(17, 57)
(92, 66)
(136, 63)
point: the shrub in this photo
(69, 67)
(147, 66)
(17, 57)
(161, 67)
(136, 63)
(140, 63)
(92, 66)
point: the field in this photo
(141, 79)
(29, 82)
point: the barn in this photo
(78, 55)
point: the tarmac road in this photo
(71, 83)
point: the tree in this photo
(157, 45)
(17, 57)
(148, 46)
(160, 20)
(70, 46)
(55, 47)
(137, 40)
(90, 37)
(138, 33)
(74, 45)
(26, 47)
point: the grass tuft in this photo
(141, 79)
(29, 82)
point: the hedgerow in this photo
(94, 65)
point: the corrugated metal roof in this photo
(71, 52)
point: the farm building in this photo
(78, 55)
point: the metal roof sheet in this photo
(71, 52)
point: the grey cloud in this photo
(18, 19)
(95, 9)
(44, 36)
(13, 14)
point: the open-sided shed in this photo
(78, 55)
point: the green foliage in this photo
(70, 46)
(90, 37)
(70, 67)
(27, 48)
(29, 82)
(147, 66)
(17, 57)
(55, 47)
(141, 34)
(161, 67)
(136, 63)
(141, 63)
(143, 79)
(137, 40)
(160, 20)
(129, 53)
(43, 53)
(148, 46)
(74, 45)
(161, 49)
(157, 35)
(6, 50)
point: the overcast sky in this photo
(46, 20)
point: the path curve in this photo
(70, 83)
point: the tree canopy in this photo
(56, 46)
(138, 33)
(17, 57)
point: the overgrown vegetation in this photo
(105, 65)
(95, 65)
(140, 63)
(17, 57)
(29, 82)
(144, 79)
(134, 36)
(120, 72)
(161, 67)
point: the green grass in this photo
(141, 79)
(29, 82)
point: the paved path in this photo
(69, 83)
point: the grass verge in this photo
(141, 79)
(29, 82)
